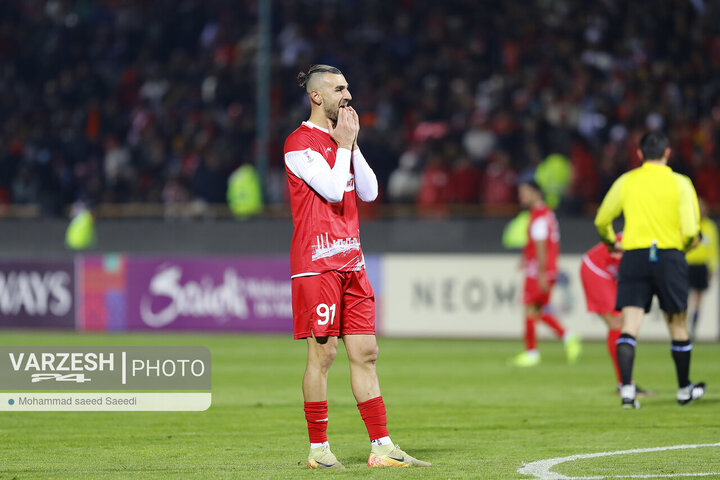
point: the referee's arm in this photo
(689, 213)
(610, 208)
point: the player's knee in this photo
(614, 321)
(322, 352)
(370, 353)
(327, 355)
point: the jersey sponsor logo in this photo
(324, 248)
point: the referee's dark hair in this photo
(303, 78)
(653, 145)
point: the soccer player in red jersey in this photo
(331, 294)
(598, 272)
(540, 257)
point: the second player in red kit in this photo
(540, 257)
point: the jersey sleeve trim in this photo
(307, 274)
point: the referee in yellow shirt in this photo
(661, 224)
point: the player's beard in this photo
(332, 113)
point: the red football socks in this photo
(552, 322)
(373, 414)
(530, 338)
(612, 339)
(316, 414)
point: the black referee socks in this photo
(626, 356)
(680, 350)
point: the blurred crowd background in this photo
(153, 101)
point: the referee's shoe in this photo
(629, 396)
(690, 393)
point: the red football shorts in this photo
(533, 295)
(600, 290)
(333, 304)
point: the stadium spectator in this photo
(465, 180)
(434, 194)
(25, 187)
(500, 181)
(404, 181)
(171, 80)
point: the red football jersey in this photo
(543, 226)
(601, 261)
(327, 235)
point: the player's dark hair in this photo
(303, 78)
(532, 183)
(653, 145)
(528, 178)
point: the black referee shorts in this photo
(639, 279)
(698, 276)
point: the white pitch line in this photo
(541, 468)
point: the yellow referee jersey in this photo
(707, 252)
(659, 205)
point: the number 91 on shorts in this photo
(333, 304)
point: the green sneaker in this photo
(392, 456)
(526, 359)
(573, 348)
(322, 457)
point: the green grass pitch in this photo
(454, 403)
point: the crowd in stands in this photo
(113, 101)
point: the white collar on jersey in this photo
(312, 125)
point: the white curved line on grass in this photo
(541, 468)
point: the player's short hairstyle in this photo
(303, 78)
(532, 183)
(653, 145)
(528, 178)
